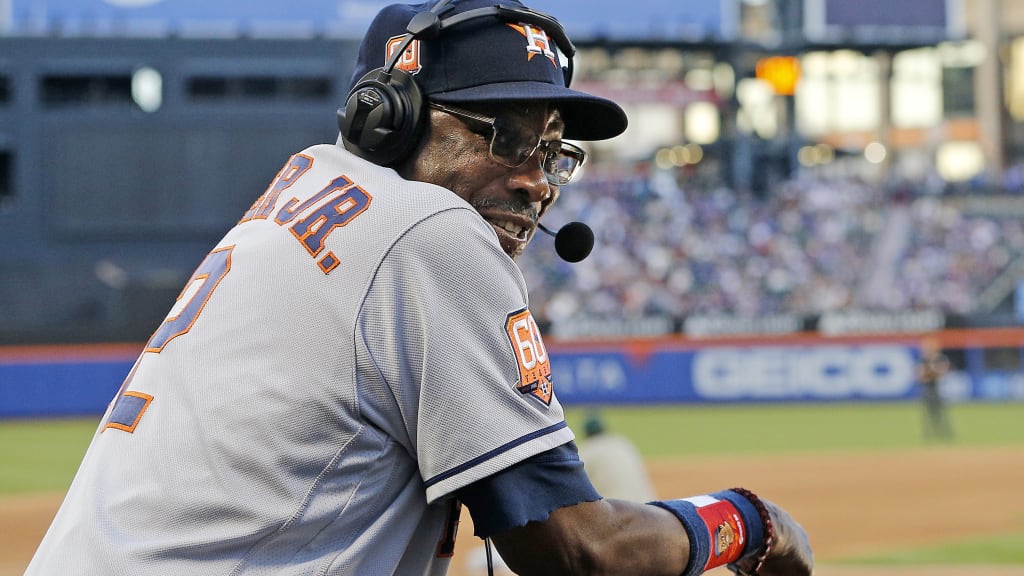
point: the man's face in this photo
(456, 154)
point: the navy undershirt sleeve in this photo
(528, 491)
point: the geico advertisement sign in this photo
(798, 372)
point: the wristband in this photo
(722, 528)
(769, 532)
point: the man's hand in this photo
(791, 551)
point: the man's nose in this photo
(530, 178)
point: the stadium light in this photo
(148, 89)
(780, 72)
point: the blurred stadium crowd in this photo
(669, 242)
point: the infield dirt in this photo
(851, 504)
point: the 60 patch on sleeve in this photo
(532, 357)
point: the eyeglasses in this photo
(512, 144)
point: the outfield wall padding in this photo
(81, 380)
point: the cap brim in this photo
(587, 117)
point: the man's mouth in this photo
(513, 234)
(513, 229)
(513, 224)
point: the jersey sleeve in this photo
(448, 329)
(528, 491)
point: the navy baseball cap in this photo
(485, 59)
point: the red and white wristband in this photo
(723, 527)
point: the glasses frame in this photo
(564, 149)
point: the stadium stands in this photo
(671, 246)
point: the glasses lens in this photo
(561, 161)
(512, 143)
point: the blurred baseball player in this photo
(614, 465)
(933, 366)
(356, 359)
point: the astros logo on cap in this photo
(537, 42)
(410, 60)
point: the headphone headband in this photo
(384, 114)
(423, 25)
(428, 25)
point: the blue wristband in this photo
(704, 553)
(700, 542)
(751, 518)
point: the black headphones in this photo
(383, 116)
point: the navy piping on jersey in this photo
(488, 455)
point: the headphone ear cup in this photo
(383, 116)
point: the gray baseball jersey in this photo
(355, 350)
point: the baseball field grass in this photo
(812, 456)
(42, 455)
(793, 428)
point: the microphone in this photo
(573, 242)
